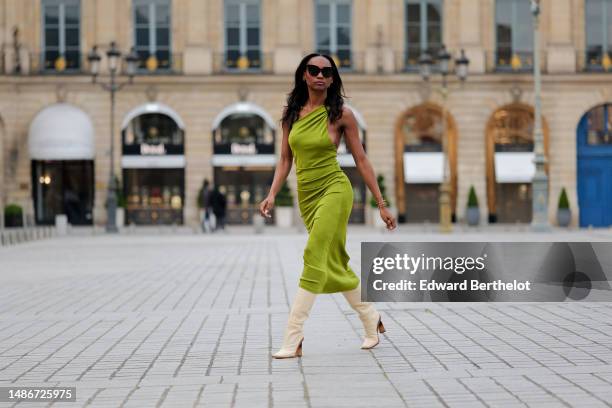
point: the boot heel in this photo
(298, 352)
(381, 328)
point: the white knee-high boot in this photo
(370, 318)
(294, 334)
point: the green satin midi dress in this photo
(325, 198)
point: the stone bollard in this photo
(61, 224)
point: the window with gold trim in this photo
(423, 30)
(61, 35)
(598, 27)
(152, 34)
(333, 30)
(422, 130)
(513, 35)
(242, 34)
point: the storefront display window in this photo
(244, 188)
(153, 166)
(154, 196)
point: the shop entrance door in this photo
(63, 187)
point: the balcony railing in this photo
(263, 62)
(26, 63)
(496, 61)
(595, 60)
(45, 63)
(53, 62)
(235, 63)
(165, 64)
(508, 60)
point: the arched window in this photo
(510, 166)
(243, 159)
(513, 130)
(422, 129)
(243, 128)
(61, 146)
(420, 162)
(153, 165)
(153, 128)
(599, 125)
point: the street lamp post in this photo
(539, 220)
(113, 86)
(461, 63)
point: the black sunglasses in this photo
(314, 71)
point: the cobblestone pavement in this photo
(191, 320)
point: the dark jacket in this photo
(218, 202)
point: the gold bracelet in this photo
(382, 203)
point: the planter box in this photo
(564, 217)
(13, 220)
(472, 216)
(284, 216)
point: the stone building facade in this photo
(218, 60)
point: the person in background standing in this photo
(205, 202)
(218, 204)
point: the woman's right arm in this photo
(283, 167)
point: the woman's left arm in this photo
(353, 143)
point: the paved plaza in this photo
(182, 320)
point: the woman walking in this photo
(313, 122)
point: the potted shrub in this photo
(120, 215)
(564, 213)
(374, 211)
(472, 213)
(13, 216)
(283, 203)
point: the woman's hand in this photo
(388, 218)
(265, 206)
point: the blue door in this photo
(595, 167)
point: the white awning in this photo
(61, 132)
(153, 107)
(171, 161)
(514, 167)
(243, 108)
(243, 160)
(423, 167)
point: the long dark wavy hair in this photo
(299, 95)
